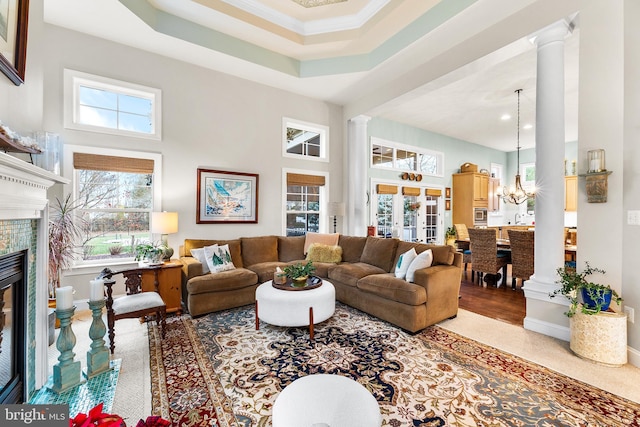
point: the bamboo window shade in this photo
(386, 189)
(305, 180)
(111, 163)
(410, 191)
(433, 192)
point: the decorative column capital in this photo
(361, 119)
(552, 33)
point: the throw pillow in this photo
(319, 252)
(379, 252)
(423, 260)
(327, 239)
(198, 253)
(218, 258)
(225, 254)
(404, 262)
(209, 251)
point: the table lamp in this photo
(335, 209)
(164, 223)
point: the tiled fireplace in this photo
(23, 246)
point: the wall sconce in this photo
(164, 223)
(596, 177)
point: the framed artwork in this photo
(447, 192)
(14, 16)
(447, 205)
(226, 197)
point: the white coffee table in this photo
(325, 400)
(295, 308)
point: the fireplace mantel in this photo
(23, 188)
(23, 196)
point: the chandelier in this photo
(515, 194)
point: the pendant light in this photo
(515, 194)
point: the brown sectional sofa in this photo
(364, 279)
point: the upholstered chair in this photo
(135, 303)
(522, 255)
(485, 257)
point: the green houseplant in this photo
(592, 297)
(65, 231)
(450, 236)
(299, 272)
(150, 253)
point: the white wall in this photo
(210, 120)
(608, 119)
(631, 171)
(21, 106)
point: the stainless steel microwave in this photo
(480, 216)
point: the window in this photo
(115, 195)
(528, 177)
(304, 197)
(384, 214)
(391, 155)
(411, 210)
(105, 105)
(432, 214)
(306, 140)
(381, 156)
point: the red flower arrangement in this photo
(96, 417)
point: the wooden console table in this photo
(168, 279)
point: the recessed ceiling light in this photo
(527, 126)
(505, 117)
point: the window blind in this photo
(386, 189)
(410, 191)
(305, 180)
(99, 162)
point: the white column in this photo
(550, 152)
(356, 174)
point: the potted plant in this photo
(592, 297)
(299, 272)
(149, 253)
(65, 230)
(450, 236)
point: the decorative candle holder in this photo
(98, 356)
(67, 372)
(596, 161)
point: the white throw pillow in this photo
(404, 261)
(218, 258)
(225, 254)
(423, 260)
(198, 253)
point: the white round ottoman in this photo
(295, 308)
(323, 400)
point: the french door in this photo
(412, 214)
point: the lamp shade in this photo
(335, 209)
(164, 222)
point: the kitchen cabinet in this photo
(470, 190)
(480, 189)
(571, 193)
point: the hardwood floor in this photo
(501, 303)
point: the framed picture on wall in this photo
(447, 192)
(14, 16)
(447, 205)
(226, 197)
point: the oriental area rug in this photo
(217, 370)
